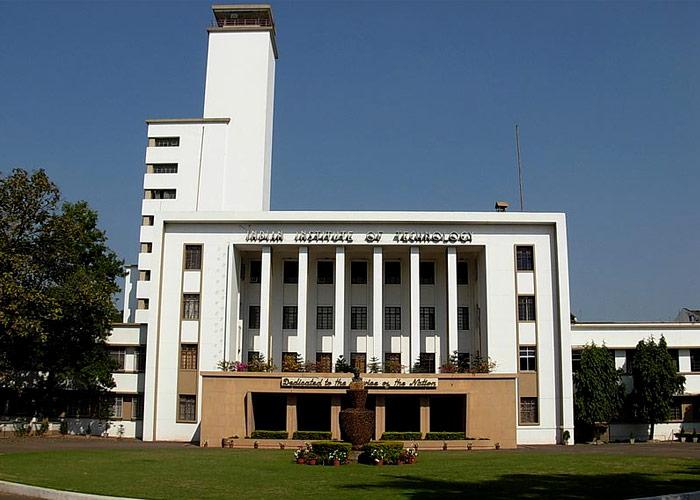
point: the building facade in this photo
(222, 279)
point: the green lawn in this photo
(216, 473)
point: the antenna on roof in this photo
(520, 165)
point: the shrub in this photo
(309, 435)
(327, 451)
(401, 436)
(269, 435)
(388, 451)
(21, 428)
(444, 436)
(63, 429)
(43, 427)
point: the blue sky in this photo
(400, 106)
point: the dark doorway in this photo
(448, 413)
(270, 411)
(402, 413)
(313, 412)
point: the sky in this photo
(399, 106)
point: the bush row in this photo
(309, 435)
(401, 436)
(269, 435)
(416, 436)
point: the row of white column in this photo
(377, 303)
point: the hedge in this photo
(324, 448)
(307, 435)
(401, 436)
(269, 435)
(445, 436)
(391, 451)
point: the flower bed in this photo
(323, 453)
(389, 453)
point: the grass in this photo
(216, 473)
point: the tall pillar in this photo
(302, 298)
(335, 417)
(379, 417)
(377, 304)
(265, 282)
(339, 326)
(249, 415)
(452, 326)
(415, 305)
(424, 415)
(291, 415)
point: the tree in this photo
(598, 388)
(57, 280)
(656, 382)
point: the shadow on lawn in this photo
(528, 486)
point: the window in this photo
(324, 272)
(255, 271)
(140, 359)
(147, 220)
(358, 360)
(576, 360)
(528, 358)
(528, 410)
(164, 142)
(676, 360)
(289, 317)
(426, 361)
(145, 275)
(193, 257)
(146, 247)
(324, 318)
(290, 361)
(118, 407)
(323, 362)
(254, 356)
(136, 408)
(427, 318)
(392, 362)
(118, 355)
(160, 194)
(462, 273)
(242, 271)
(142, 303)
(187, 409)
(426, 273)
(392, 318)
(291, 271)
(358, 318)
(392, 273)
(526, 307)
(188, 357)
(163, 168)
(190, 306)
(629, 360)
(463, 318)
(676, 410)
(465, 360)
(524, 258)
(254, 317)
(695, 360)
(358, 272)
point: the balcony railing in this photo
(222, 23)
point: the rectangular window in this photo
(187, 409)
(358, 318)
(524, 258)
(324, 272)
(358, 272)
(392, 318)
(462, 273)
(136, 408)
(392, 362)
(255, 271)
(291, 271)
(242, 271)
(575, 360)
(164, 142)
(324, 318)
(695, 360)
(118, 407)
(147, 220)
(528, 411)
(142, 303)
(254, 317)
(160, 194)
(289, 361)
(140, 359)
(426, 273)
(463, 318)
(526, 307)
(190, 306)
(193, 257)
(528, 358)
(145, 275)
(188, 357)
(465, 360)
(392, 273)
(323, 362)
(254, 356)
(146, 247)
(118, 355)
(427, 318)
(358, 360)
(676, 360)
(629, 360)
(163, 168)
(676, 410)
(427, 362)
(289, 317)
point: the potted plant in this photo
(444, 446)
(469, 446)
(256, 445)
(311, 458)
(412, 455)
(632, 438)
(695, 436)
(566, 435)
(498, 446)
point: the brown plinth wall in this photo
(227, 403)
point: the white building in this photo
(220, 277)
